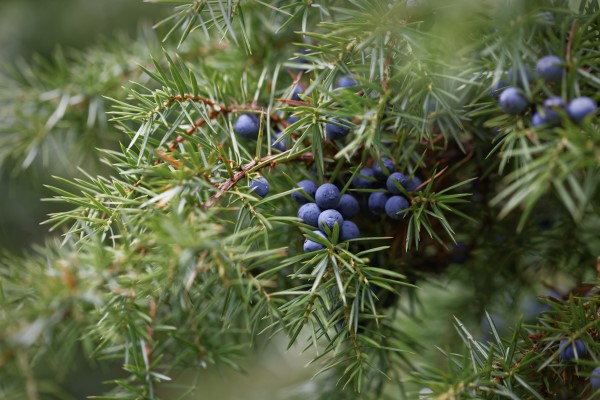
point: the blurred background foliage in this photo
(33, 31)
(38, 32)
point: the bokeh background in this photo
(31, 28)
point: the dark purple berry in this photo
(348, 206)
(278, 145)
(346, 81)
(309, 245)
(309, 214)
(581, 107)
(327, 196)
(548, 113)
(296, 93)
(554, 102)
(260, 186)
(537, 120)
(460, 253)
(329, 218)
(394, 205)
(247, 126)
(549, 68)
(364, 179)
(349, 231)
(394, 180)
(337, 130)
(383, 169)
(571, 350)
(431, 106)
(413, 183)
(512, 101)
(309, 187)
(377, 201)
(595, 378)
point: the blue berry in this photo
(279, 145)
(327, 196)
(518, 78)
(348, 206)
(581, 107)
(549, 68)
(413, 183)
(296, 93)
(549, 115)
(512, 101)
(301, 53)
(397, 178)
(381, 172)
(349, 231)
(260, 186)
(572, 350)
(595, 378)
(334, 131)
(364, 179)
(394, 205)
(309, 187)
(309, 245)
(537, 120)
(377, 201)
(460, 253)
(247, 126)
(554, 102)
(346, 81)
(309, 214)
(329, 218)
(497, 89)
(431, 106)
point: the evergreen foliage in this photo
(178, 257)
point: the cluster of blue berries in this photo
(576, 349)
(390, 185)
(549, 69)
(324, 207)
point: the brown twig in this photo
(217, 109)
(150, 329)
(429, 180)
(231, 182)
(570, 41)
(386, 66)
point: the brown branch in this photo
(150, 329)
(387, 65)
(422, 185)
(231, 182)
(217, 109)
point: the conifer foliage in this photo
(302, 168)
